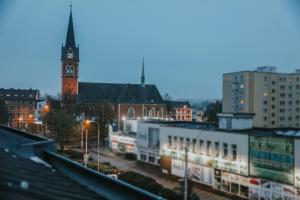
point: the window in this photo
(151, 158)
(187, 140)
(225, 150)
(175, 142)
(169, 141)
(208, 148)
(194, 146)
(181, 144)
(217, 149)
(153, 135)
(234, 152)
(201, 145)
(143, 156)
(131, 113)
(70, 70)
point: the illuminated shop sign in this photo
(236, 167)
(272, 158)
(196, 173)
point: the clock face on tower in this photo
(70, 55)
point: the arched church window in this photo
(161, 112)
(131, 113)
(152, 112)
(157, 112)
(70, 70)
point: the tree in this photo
(102, 113)
(61, 125)
(3, 112)
(211, 112)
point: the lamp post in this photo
(186, 174)
(86, 158)
(98, 133)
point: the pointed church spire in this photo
(143, 75)
(70, 40)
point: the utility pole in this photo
(81, 142)
(86, 153)
(186, 174)
(98, 146)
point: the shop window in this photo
(244, 191)
(234, 188)
(226, 186)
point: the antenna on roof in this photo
(71, 6)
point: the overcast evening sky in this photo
(187, 45)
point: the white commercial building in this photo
(234, 158)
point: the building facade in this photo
(21, 106)
(273, 97)
(179, 110)
(248, 163)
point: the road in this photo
(132, 165)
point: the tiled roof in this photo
(22, 178)
(118, 93)
(19, 93)
(31, 169)
(178, 104)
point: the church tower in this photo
(69, 62)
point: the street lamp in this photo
(86, 134)
(98, 132)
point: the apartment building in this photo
(273, 97)
(21, 105)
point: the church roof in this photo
(70, 41)
(18, 94)
(118, 93)
(178, 104)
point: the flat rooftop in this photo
(288, 132)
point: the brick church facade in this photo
(130, 101)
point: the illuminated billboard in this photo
(272, 158)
